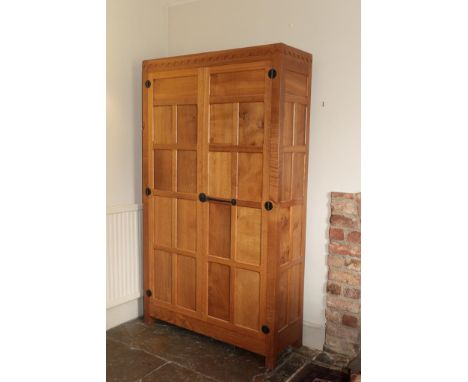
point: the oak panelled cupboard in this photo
(225, 149)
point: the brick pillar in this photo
(343, 311)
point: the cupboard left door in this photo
(171, 182)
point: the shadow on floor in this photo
(165, 353)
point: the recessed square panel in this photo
(250, 175)
(249, 224)
(187, 224)
(221, 123)
(162, 276)
(187, 124)
(187, 171)
(219, 174)
(163, 221)
(247, 299)
(299, 124)
(163, 170)
(251, 123)
(219, 290)
(162, 126)
(186, 282)
(297, 188)
(219, 226)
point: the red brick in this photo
(341, 249)
(343, 195)
(340, 331)
(335, 261)
(333, 288)
(339, 345)
(349, 320)
(352, 264)
(340, 206)
(341, 304)
(336, 234)
(352, 293)
(333, 316)
(354, 237)
(345, 277)
(342, 221)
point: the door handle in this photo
(205, 198)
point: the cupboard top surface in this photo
(260, 52)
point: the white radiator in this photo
(124, 254)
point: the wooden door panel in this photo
(162, 125)
(299, 124)
(238, 83)
(297, 182)
(186, 282)
(251, 123)
(247, 298)
(284, 235)
(163, 170)
(221, 123)
(187, 124)
(288, 120)
(219, 230)
(219, 174)
(187, 171)
(296, 231)
(163, 276)
(249, 226)
(182, 90)
(250, 175)
(163, 221)
(187, 225)
(294, 289)
(286, 175)
(219, 290)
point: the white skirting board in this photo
(313, 335)
(124, 260)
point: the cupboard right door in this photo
(236, 154)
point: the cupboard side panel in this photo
(293, 162)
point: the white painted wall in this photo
(330, 30)
(136, 30)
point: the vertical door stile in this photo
(174, 206)
(265, 197)
(148, 199)
(203, 118)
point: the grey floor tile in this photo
(125, 364)
(175, 373)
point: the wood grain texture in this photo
(216, 123)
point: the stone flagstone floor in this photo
(137, 352)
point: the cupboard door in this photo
(172, 152)
(236, 167)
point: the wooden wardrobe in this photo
(225, 152)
